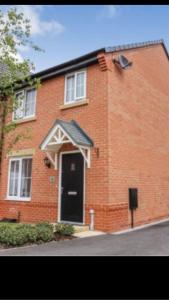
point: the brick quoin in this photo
(127, 119)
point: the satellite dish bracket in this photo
(123, 62)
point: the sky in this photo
(65, 32)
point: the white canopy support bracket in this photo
(53, 158)
(86, 152)
(56, 161)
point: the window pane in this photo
(70, 88)
(30, 103)
(18, 113)
(80, 85)
(14, 174)
(26, 177)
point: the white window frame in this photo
(76, 99)
(17, 198)
(24, 91)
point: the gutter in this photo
(67, 69)
(70, 65)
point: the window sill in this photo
(25, 120)
(75, 104)
(19, 200)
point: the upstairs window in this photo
(25, 104)
(75, 87)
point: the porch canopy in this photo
(66, 132)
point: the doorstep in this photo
(77, 228)
(88, 233)
(81, 228)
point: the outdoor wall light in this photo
(97, 151)
(47, 162)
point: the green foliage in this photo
(14, 234)
(15, 32)
(64, 229)
(14, 73)
(45, 232)
(30, 232)
(19, 234)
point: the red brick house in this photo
(97, 130)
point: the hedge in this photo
(64, 229)
(12, 234)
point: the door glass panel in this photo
(72, 167)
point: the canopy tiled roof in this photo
(74, 131)
(66, 132)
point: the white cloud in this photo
(50, 26)
(18, 57)
(109, 11)
(38, 25)
(23, 48)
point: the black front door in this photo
(72, 187)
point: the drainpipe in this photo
(2, 124)
(91, 226)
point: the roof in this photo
(137, 45)
(74, 131)
(92, 58)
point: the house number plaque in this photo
(52, 179)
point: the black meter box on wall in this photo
(133, 198)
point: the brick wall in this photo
(92, 118)
(139, 132)
(127, 118)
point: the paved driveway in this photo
(153, 240)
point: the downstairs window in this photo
(19, 178)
